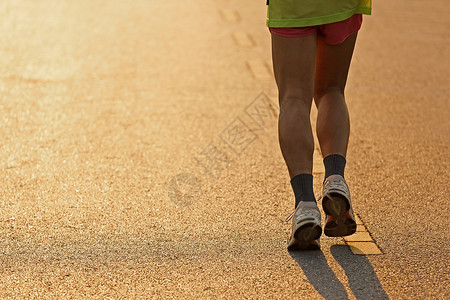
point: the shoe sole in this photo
(338, 207)
(306, 237)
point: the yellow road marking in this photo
(229, 15)
(360, 243)
(243, 39)
(259, 69)
(318, 167)
(360, 228)
(358, 220)
(359, 237)
(364, 248)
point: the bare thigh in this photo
(332, 65)
(293, 64)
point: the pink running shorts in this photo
(333, 33)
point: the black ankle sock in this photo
(302, 184)
(334, 165)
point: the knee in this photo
(336, 90)
(295, 106)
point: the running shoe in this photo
(336, 203)
(306, 228)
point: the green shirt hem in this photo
(304, 22)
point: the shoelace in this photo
(336, 184)
(289, 217)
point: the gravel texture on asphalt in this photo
(122, 175)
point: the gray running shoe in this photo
(336, 203)
(306, 228)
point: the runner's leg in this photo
(293, 63)
(333, 128)
(333, 124)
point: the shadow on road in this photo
(362, 279)
(315, 266)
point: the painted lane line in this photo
(360, 243)
(358, 220)
(318, 167)
(243, 39)
(364, 248)
(360, 228)
(259, 69)
(229, 15)
(359, 237)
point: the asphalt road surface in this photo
(139, 155)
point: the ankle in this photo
(334, 165)
(302, 184)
